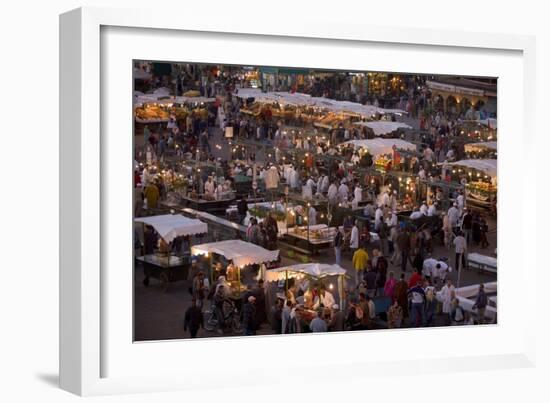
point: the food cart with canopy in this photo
(383, 127)
(485, 149)
(481, 188)
(164, 265)
(240, 254)
(316, 271)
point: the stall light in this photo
(331, 286)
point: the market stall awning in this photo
(382, 127)
(240, 252)
(486, 145)
(300, 99)
(316, 270)
(170, 226)
(381, 146)
(489, 166)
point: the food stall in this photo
(483, 150)
(160, 107)
(481, 186)
(382, 150)
(164, 265)
(331, 276)
(238, 254)
(383, 127)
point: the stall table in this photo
(165, 269)
(482, 262)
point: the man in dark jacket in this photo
(481, 304)
(193, 319)
(277, 317)
(370, 279)
(338, 319)
(404, 243)
(249, 316)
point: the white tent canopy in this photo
(316, 270)
(240, 252)
(381, 146)
(489, 166)
(171, 226)
(299, 99)
(491, 145)
(382, 127)
(156, 98)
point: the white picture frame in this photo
(87, 313)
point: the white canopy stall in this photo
(381, 146)
(170, 226)
(488, 166)
(165, 266)
(299, 99)
(382, 127)
(476, 147)
(314, 270)
(241, 253)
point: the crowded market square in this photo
(278, 200)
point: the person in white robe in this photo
(357, 196)
(343, 192)
(294, 179)
(325, 184)
(324, 298)
(311, 183)
(446, 296)
(453, 214)
(460, 202)
(312, 216)
(384, 199)
(332, 193)
(209, 187)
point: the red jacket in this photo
(415, 278)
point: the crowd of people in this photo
(399, 279)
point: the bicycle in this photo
(231, 318)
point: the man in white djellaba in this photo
(343, 192)
(209, 186)
(311, 183)
(312, 215)
(460, 201)
(447, 295)
(453, 216)
(354, 238)
(332, 193)
(294, 179)
(357, 196)
(384, 199)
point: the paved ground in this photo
(159, 315)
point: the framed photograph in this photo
(231, 193)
